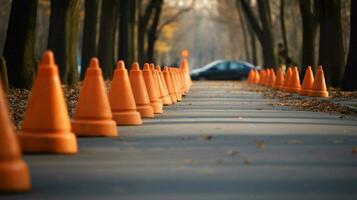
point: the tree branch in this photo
(252, 19)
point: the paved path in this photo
(219, 143)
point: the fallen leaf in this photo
(247, 161)
(232, 152)
(354, 150)
(206, 137)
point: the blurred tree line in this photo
(298, 32)
(267, 33)
(112, 29)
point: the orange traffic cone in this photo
(174, 85)
(267, 77)
(156, 83)
(272, 78)
(186, 70)
(121, 98)
(251, 76)
(140, 92)
(168, 82)
(13, 170)
(47, 127)
(287, 77)
(307, 83)
(319, 87)
(249, 80)
(256, 77)
(262, 77)
(150, 86)
(162, 87)
(294, 85)
(182, 81)
(178, 81)
(279, 80)
(93, 116)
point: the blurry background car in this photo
(222, 70)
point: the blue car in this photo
(222, 70)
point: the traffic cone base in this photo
(157, 107)
(304, 92)
(293, 90)
(127, 118)
(15, 176)
(93, 128)
(173, 98)
(317, 93)
(146, 111)
(93, 116)
(51, 142)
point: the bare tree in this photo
(263, 29)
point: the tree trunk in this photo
(124, 33)
(64, 19)
(282, 24)
(309, 30)
(106, 46)
(264, 31)
(331, 55)
(349, 79)
(244, 31)
(19, 51)
(254, 48)
(152, 34)
(143, 28)
(89, 43)
(3, 74)
(72, 76)
(134, 17)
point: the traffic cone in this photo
(262, 77)
(183, 82)
(319, 87)
(140, 92)
(150, 86)
(93, 116)
(174, 85)
(251, 76)
(186, 69)
(14, 173)
(162, 87)
(287, 77)
(121, 98)
(294, 85)
(179, 83)
(272, 78)
(267, 77)
(307, 83)
(47, 127)
(168, 82)
(156, 83)
(279, 80)
(249, 80)
(256, 77)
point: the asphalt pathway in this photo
(219, 143)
